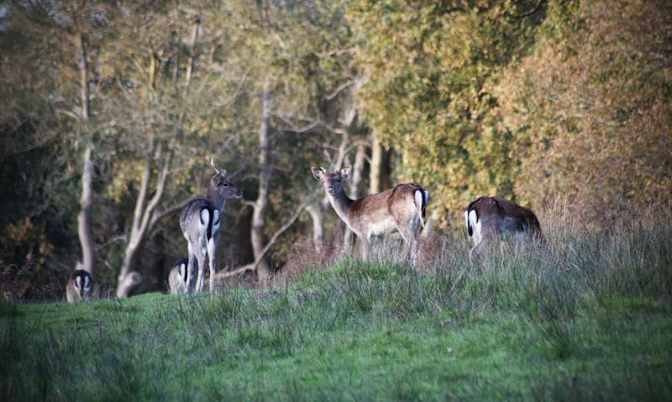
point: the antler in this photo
(212, 163)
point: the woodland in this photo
(110, 112)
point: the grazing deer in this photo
(402, 207)
(79, 286)
(488, 219)
(200, 221)
(177, 279)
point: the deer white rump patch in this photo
(475, 225)
(419, 199)
(205, 217)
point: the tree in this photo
(429, 67)
(589, 111)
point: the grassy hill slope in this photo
(586, 321)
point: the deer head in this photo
(221, 188)
(332, 182)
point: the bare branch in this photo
(151, 206)
(248, 203)
(157, 216)
(238, 271)
(140, 202)
(339, 89)
(311, 124)
(279, 233)
(531, 12)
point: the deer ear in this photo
(345, 173)
(317, 173)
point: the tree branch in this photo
(339, 89)
(151, 206)
(531, 12)
(157, 216)
(311, 125)
(280, 231)
(142, 195)
(238, 271)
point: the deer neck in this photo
(341, 204)
(216, 200)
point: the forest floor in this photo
(516, 328)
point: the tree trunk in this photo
(142, 224)
(357, 173)
(192, 49)
(376, 168)
(317, 217)
(84, 217)
(258, 224)
(86, 200)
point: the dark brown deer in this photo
(489, 219)
(200, 221)
(402, 208)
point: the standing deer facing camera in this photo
(79, 286)
(200, 221)
(402, 208)
(488, 219)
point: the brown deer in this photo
(402, 208)
(200, 221)
(489, 219)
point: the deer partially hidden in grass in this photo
(402, 208)
(177, 278)
(79, 286)
(200, 221)
(491, 219)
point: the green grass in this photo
(590, 319)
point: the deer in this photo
(79, 286)
(177, 278)
(200, 221)
(489, 219)
(402, 208)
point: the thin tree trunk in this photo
(258, 224)
(376, 168)
(142, 224)
(86, 200)
(144, 216)
(317, 217)
(84, 217)
(357, 173)
(192, 47)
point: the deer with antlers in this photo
(402, 208)
(489, 219)
(200, 221)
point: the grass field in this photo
(588, 319)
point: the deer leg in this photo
(413, 251)
(201, 271)
(410, 235)
(364, 244)
(190, 269)
(212, 259)
(475, 251)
